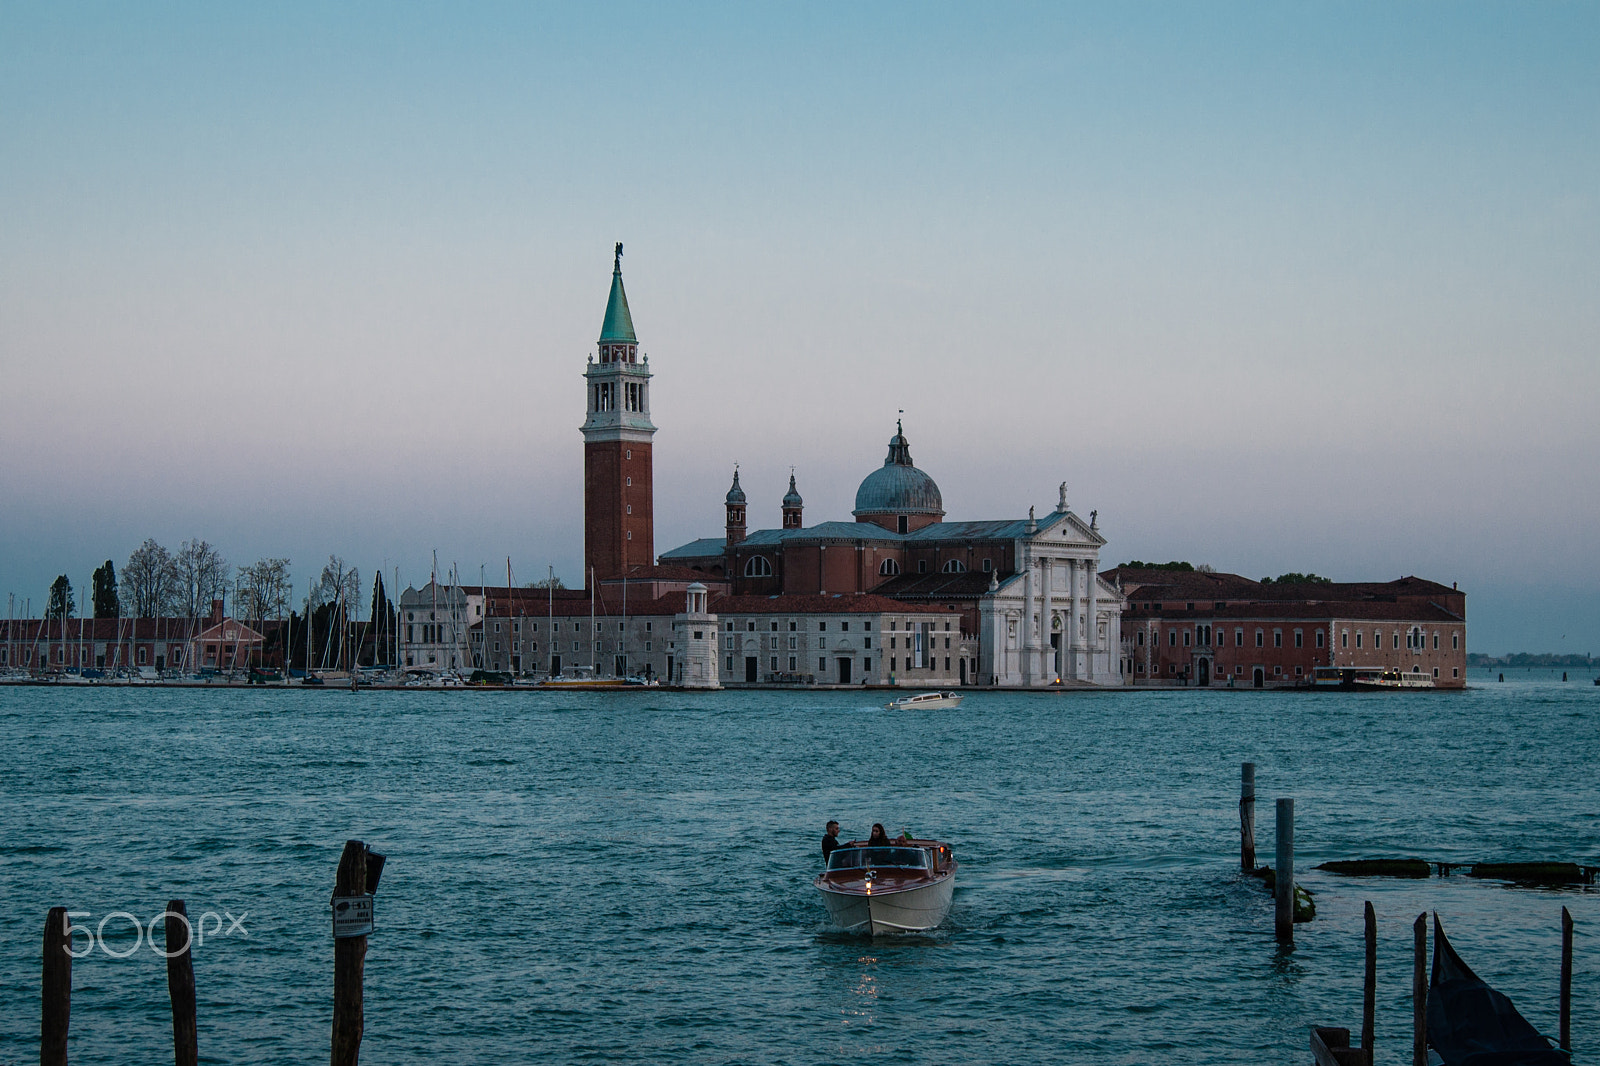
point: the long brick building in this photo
(1206, 629)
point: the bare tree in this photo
(263, 590)
(340, 583)
(202, 577)
(149, 581)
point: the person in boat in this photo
(879, 838)
(830, 840)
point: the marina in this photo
(574, 877)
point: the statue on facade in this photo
(1062, 504)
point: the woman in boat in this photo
(879, 838)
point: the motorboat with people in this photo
(926, 701)
(905, 887)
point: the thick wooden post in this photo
(55, 1004)
(1369, 988)
(349, 963)
(1566, 978)
(1283, 888)
(1419, 991)
(1247, 816)
(180, 986)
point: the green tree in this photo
(61, 601)
(1295, 578)
(106, 604)
(1137, 564)
(150, 581)
(546, 583)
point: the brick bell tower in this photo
(618, 491)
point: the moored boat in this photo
(926, 701)
(582, 677)
(905, 887)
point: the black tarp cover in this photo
(1470, 1024)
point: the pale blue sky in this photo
(1272, 287)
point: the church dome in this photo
(735, 497)
(898, 487)
(792, 497)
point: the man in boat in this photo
(830, 841)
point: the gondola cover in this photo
(1470, 1024)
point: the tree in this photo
(149, 581)
(340, 583)
(1139, 565)
(383, 623)
(546, 583)
(106, 604)
(263, 590)
(202, 577)
(1293, 578)
(61, 602)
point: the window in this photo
(866, 642)
(1319, 638)
(900, 524)
(866, 666)
(730, 667)
(1344, 638)
(844, 627)
(774, 627)
(792, 625)
(772, 643)
(1299, 639)
(757, 566)
(1299, 670)
(1238, 638)
(646, 646)
(793, 665)
(988, 565)
(730, 627)
(822, 664)
(774, 664)
(955, 566)
(1172, 638)
(822, 642)
(922, 566)
(749, 627)
(822, 627)
(1435, 641)
(1185, 638)
(889, 568)
(1455, 641)
(1277, 638)
(1138, 638)
(1397, 642)
(1358, 638)
(1261, 639)
(792, 644)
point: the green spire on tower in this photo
(619, 323)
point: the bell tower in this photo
(618, 490)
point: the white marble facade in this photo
(1054, 619)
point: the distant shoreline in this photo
(1524, 659)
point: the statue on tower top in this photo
(617, 263)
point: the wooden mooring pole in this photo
(349, 963)
(1283, 886)
(180, 986)
(1247, 816)
(1566, 979)
(1369, 987)
(55, 1004)
(1419, 991)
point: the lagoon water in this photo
(592, 877)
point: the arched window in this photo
(889, 568)
(757, 566)
(955, 566)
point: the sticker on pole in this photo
(352, 916)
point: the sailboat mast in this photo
(550, 637)
(594, 665)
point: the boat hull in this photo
(909, 910)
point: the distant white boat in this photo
(926, 700)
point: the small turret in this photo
(792, 505)
(735, 501)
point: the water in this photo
(585, 877)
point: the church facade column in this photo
(1030, 642)
(1091, 619)
(1069, 635)
(1046, 652)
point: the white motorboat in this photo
(926, 701)
(904, 888)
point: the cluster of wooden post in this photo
(359, 870)
(1283, 859)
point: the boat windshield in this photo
(881, 858)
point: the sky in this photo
(1272, 287)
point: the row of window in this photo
(1201, 635)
